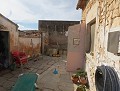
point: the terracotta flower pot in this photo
(75, 79)
(83, 80)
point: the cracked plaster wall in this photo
(31, 45)
(13, 31)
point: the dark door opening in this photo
(4, 49)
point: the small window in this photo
(114, 42)
(90, 36)
(119, 45)
(92, 30)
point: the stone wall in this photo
(13, 31)
(54, 31)
(30, 42)
(29, 33)
(107, 15)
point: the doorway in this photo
(4, 49)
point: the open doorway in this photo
(4, 49)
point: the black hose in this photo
(106, 79)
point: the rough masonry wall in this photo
(58, 38)
(13, 30)
(31, 46)
(107, 14)
(55, 34)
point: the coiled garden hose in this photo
(106, 79)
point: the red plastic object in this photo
(20, 57)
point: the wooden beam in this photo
(81, 4)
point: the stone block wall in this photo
(55, 34)
(107, 15)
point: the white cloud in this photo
(15, 10)
(33, 10)
(21, 27)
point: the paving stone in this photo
(37, 66)
(4, 72)
(17, 75)
(2, 80)
(50, 78)
(45, 68)
(8, 84)
(26, 69)
(65, 78)
(41, 67)
(39, 89)
(47, 89)
(40, 71)
(13, 79)
(51, 63)
(9, 75)
(2, 89)
(34, 70)
(40, 85)
(34, 66)
(66, 88)
(15, 72)
(61, 71)
(52, 86)
(30, 69)
(48, 65)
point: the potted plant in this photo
(75, 78)
(81, 88)
(82, 76)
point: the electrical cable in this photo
(106, 79)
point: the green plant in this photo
(81, 73)
(81, 88)
(80, 77)
(74, 75)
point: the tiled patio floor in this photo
(47, 80)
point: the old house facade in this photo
(30, 42)
(102, 19)
(8, 40)
(53, 35)
(12, 28)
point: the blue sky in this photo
(26, 13)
